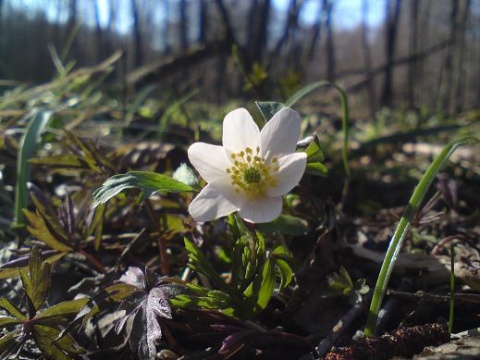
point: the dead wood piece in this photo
(404, 342)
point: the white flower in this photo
(251, 171)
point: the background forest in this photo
(411, 54)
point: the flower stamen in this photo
(251, 173)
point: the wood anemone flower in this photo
(251, 171)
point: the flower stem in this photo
(162, 246)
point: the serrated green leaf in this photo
(37, 283)
(10, 308)
(90, 155)
(60, 161)
(51, 346)
(199, 263)
(7, 273)
(5, 321)
(103, 300)
(285, 224)
(269, 108)
(63, 309)
(38, 228)
(9, 343)
(259, 292)
(147, 182)
(285, 272)
(267, 283)
(52, 221)
(13, 271)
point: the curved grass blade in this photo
(38, 121)
(345, 116)
(402, 228)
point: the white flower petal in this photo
(280, 134)
(261, 210)
(210, 204)
(211, 162)
(240, 131)
(290, 173)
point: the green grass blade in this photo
(38, 121)
(452, 288)
(402, 228)
(345, 115)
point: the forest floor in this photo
(336, 244)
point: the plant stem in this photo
(162, 246)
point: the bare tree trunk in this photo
(330, 48)
(446, 77)
(3, 73)
(202, 33)
(183, 25)
(316, 29)
(392, 16)
(137, 36)
(71, 29)
(166, 27)
(324, 20)
(290, 26)
(412, 67)
(102, 45)
(367, 59)
(258, 23)
(458, 86)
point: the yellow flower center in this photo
(251, 174)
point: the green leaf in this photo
(9, 344)
(259, 292)
(9, 271)
(39, 229)
(51, 224)
(5, 321)
(314, 158)
(269, 108)
(37, 284)
(267, 283)
(60, 161)
(286, 224)
(282, 259)
(96, 226)
(10, 308)
(148, 182)
(90, 154)
(53, 347)
(317, 169)
(199, 263)
(314, 151)
(63, 309)
(37, 122)
(103, 300)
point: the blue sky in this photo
(347, 13)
